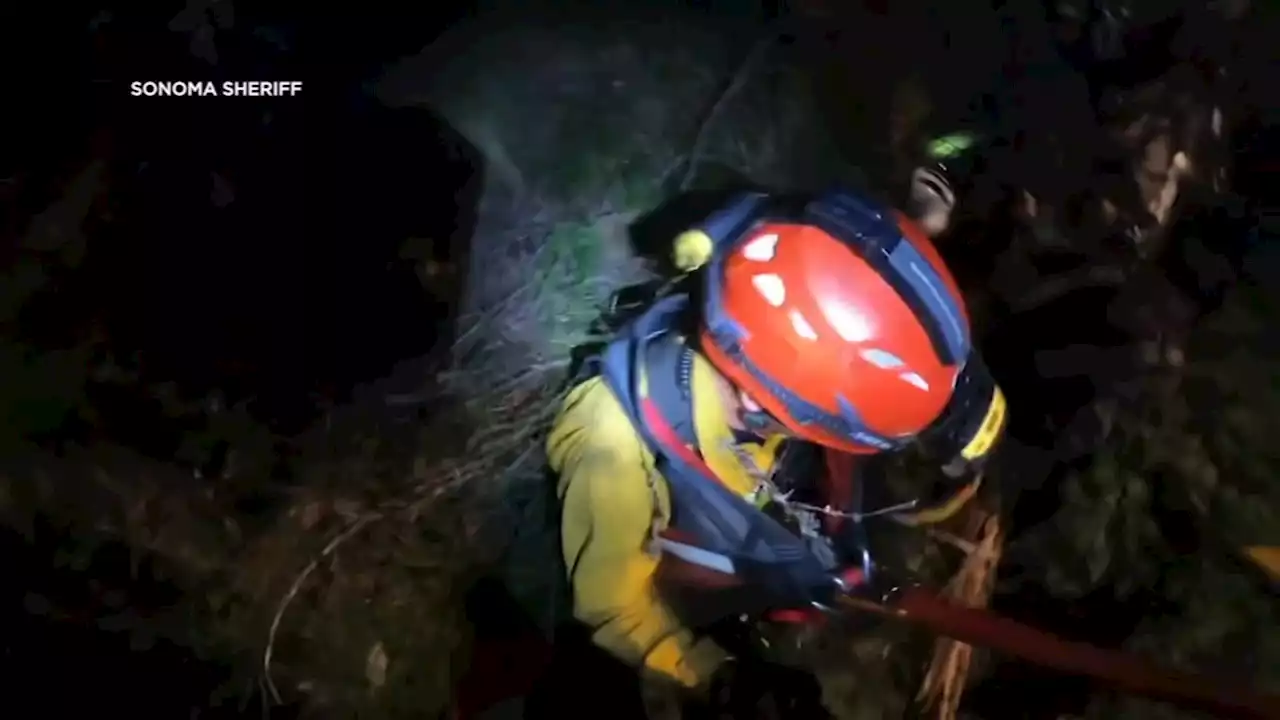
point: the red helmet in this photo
(843, 323)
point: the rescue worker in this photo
(826, 320)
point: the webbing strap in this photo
(667, 437)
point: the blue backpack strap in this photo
(620, 368)
(726, 521)
(618, 362)
(668, 364)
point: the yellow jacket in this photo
(613, 501)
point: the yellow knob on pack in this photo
(691, 250)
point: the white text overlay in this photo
(206, 88)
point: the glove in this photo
(752, 688)
(943, 501)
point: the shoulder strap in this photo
(668, 364)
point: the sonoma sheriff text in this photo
(205, 88)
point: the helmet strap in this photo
(758, 422)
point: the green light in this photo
(949, 146)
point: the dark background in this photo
(291, 295)
(288, 296)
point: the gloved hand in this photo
(754, 688)
(944, 499)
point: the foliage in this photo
(1183, 484)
